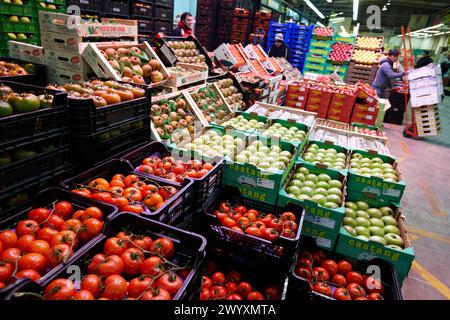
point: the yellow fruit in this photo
(12, 35)
(42, 4)
(13, 19)
(19, 2)
(51, 7)
(25, 19)
(21, 36)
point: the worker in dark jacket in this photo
(185, 25)
(279, 49)
(425, 60)
(386, 73)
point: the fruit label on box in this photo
(323, 242)
(392, 193)
(324, 222)
(264, 183)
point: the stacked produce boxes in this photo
(365, 60)
(205, 22)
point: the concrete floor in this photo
(425, 166)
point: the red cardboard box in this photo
(361, 118)
(295, 104)
(365, 109)
(366, 93)
(296, 96)
(339, 118)
(321, 109)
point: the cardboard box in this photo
(424, 96)
(427, 71)
(26, 52)
(61, 76)
(365, 109)
(103, 69)
(67, 61)
(362, 118)
(62, 42)
(72, 25)
(178, 80)
(324, 238)
(295, 104)
(230, 56)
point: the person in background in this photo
(386, 73)
(185, 25)
(279, 49)
(425, 60)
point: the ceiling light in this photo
(329, 1)
(320, 24)
(313, 7)
(337, 20)
(355, 9)
(384, 8)
(438, 34)
(432, 31)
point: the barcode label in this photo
(116, 10)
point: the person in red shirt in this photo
(184, 28)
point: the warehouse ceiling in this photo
(397, 14)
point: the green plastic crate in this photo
(316, 214)
(247, 116)
(60, 2)
(325, 145)
(350, 40)
(32, 27)
(32, 39)
(315, 59)
(391, 191)
(27, 9)
(324, 238)
(368, 250)
(313, 67)
(4, 53)
(289, 124)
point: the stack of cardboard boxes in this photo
(366, 108)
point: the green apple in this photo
(378, 239)
(296, 183)
(350, 213)
(377, 160)
(362, 231)
(351, 231)
(310, 184)
(321, 191)
(392, 246)
(319, 198)
(391, 229)
(351, 205)
(303, 170)
(312, 177)
(376, 231)
(285, 154)
(375, 222)
(294, 190)
(322, 184)
(394, 239)
(349, 222)
(363, 214)
(303, 197)
(264, 165)
(307, 191)
(335, 199)
(324, 177)
(362, 205)
(335, 191)
(361, 237)
(375, 213)
(389, 221)
(299, 176)
(335, 184)
(363, 222)
(330, 205)
(357, 156)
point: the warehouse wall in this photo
(181, 6)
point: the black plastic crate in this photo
(86, 5)
(36, 79)
(90, 150)
(300, 289)
(164, 13)
(145, 11)
(280, 252)
(45, 199)
(86, 119)
(226, 259)
(203, 188)
(51, 155)
(167, 3)
(119, 8)
(163, 26)
(145, 26)
(21, 127)
(18, 199)
(189, 250)
(173, 211)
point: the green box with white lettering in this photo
(362, 249)
(318, 214)
(248, 177)
(324, 237)
(390, 190)
(290, 124)
(247, 116)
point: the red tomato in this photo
(93, 212)
(82, 192)
(63, 209)
(218, 292)
(47, 234)
(72, 224)
(205, 294)
(229, 222)
(39, 215)
(234, 296)
(344, 267)
(29, 274)
(6, 271)
(240, 209)
(272, 293)
(102, 196)
(305, 263)
(27, 227)
(65, 237)
(58, 254)
(164, 247)
(207, 282)
(356, 290)
(11, 255)
(339, 280)
(375, 296)
(141, 242)
(34, 261)
(158, 294)
(93, 284)
(59, 289)
(104, 265)
(115, 288)
(267, 218)
(138, 286)
(54, 222)
(373, 285)
(39, 246)
(330, 266)
(291, 225)
(218, 278)
(231, 287)
(234, 276)
(323, 288)
(171, 282)
(303, 273)
(115, 246)
(132, 260)
(24, 242)
(341, 294)
(244, 289)
(318, 257)
(288, 216)
(83, 295)
(253, 231)
(321, 274)
(276, 224)
(270, 234)
(151, 266)
(133, 208)
(90, 228)
(356, 277)
(255, 295)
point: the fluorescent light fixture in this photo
(432, 31)
(313, 7)
(320, 24)
(355, 9)
(424, 29)
(438, 34)
(356, 30)
(384, 8)
(344, 32)
(329, 1)
(337, 20)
